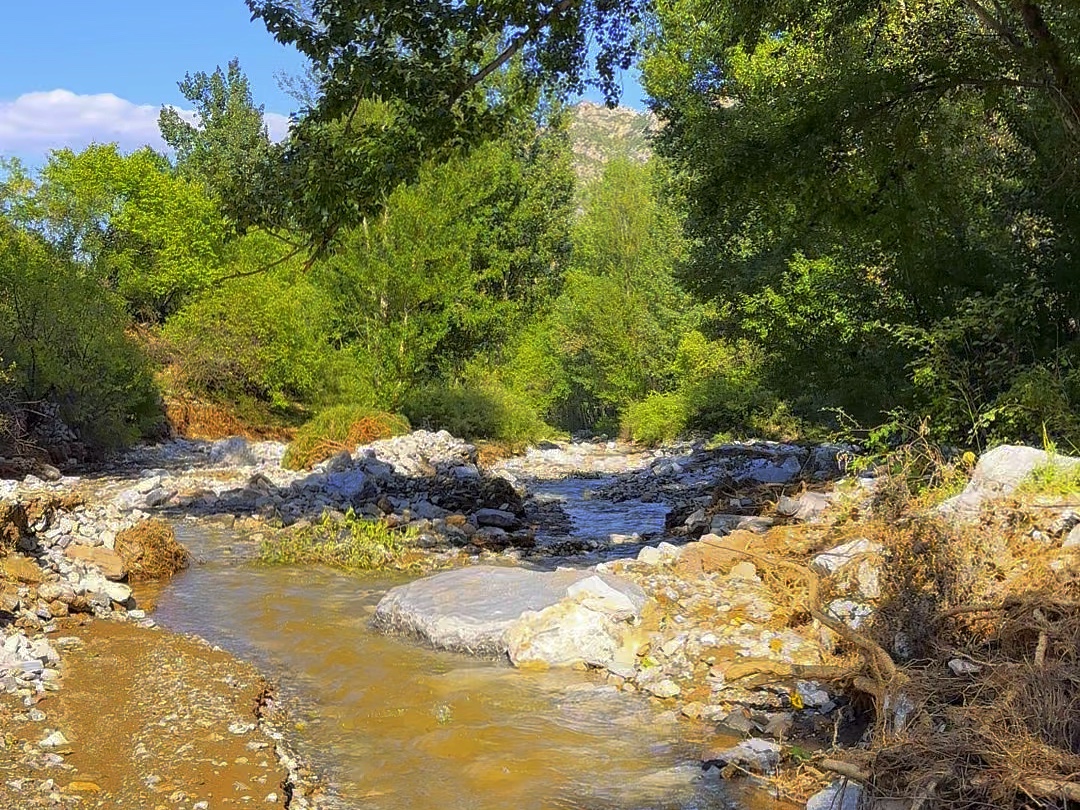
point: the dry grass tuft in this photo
(151, 551)
(344, 427)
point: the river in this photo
(397, 726)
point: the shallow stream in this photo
(397, 726)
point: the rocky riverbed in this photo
(641, 566)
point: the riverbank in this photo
(144, 718)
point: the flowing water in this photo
(397, 726)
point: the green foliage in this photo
(62, 339)
(881, 197)
(610, 337)
(153, 237)
(451, 74)
(476, 410)
(656, 419)
(228, 149)
(341, 427)
(266, 336)
(454, 265)
(1052, 479)
(352, 543)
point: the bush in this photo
(656, 419)
(62, 340)
(265, 337)
(354, 544)
(484, 410)
(343, 427)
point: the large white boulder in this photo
(998, 474)
(473, 609)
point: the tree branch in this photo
(264, 269)
(508, 53)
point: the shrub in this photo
(656, 419)
(484, 410)
(342, 427)
(265, 337)
(352, 543)
(62, 340)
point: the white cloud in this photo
(34, 123)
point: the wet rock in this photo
(497, 518)
(998, 473)
(472, 609)
(754, 755)
(565, 634)
(840, 795)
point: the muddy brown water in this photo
(397, 726)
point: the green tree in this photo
(616, 325)
(228, 148)
(456, 263)
(62, 340)
(856, 171)
(153, 237)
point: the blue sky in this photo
(76, 71)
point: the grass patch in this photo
(343, 427)
(351, 543)
(1052, 478)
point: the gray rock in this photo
(497, 518)
(998, 473)
(1072, 540)
(665, 688)
(840, 795)
(148, 484)
(428, 510)
(157, 497)
(812, 505)
(348, 484)
(233, 452)
(47, 472)
(725, 524)
(472, 609)
(828, 461)
(754, 755)
(779, 470)
(340, 461)
(831, 561)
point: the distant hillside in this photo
(599, 134)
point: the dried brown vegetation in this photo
(151, 551)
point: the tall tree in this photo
(228, 147)
(400, 83)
